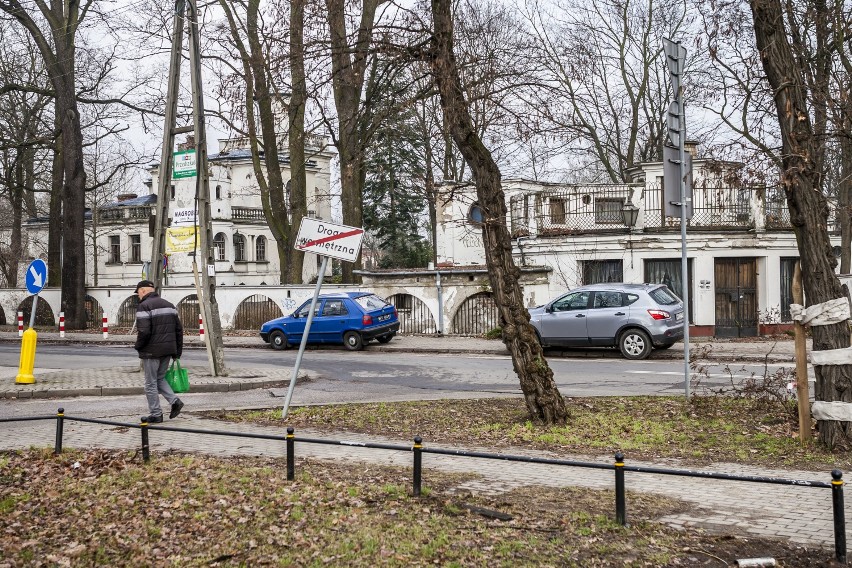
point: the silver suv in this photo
(633, 317)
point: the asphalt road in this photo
(433, 371)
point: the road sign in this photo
(327, 239)
(184, 164)
(36, 276)
(184, 217)
(671, 182)
(676, 61)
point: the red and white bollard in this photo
(61, 325)
(20, 324)
(105, 327)
(200, 328)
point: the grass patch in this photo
(702, 430)
(198, 511)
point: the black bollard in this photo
(146, 456)
(60, 423)
(418, 464)
(291, 453)
(839, 516)
(620, 500)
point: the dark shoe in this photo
(176, 409)
(155, 419)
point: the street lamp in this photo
(629, 215)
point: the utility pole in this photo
(207, 291)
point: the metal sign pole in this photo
(33, 313)
(304, 338)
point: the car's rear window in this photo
(371, 303)
(664, 296)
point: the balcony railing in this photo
(247, 214)
(118, 215)
(598, 208)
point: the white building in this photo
(119, 239)
(741, 249)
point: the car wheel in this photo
(278, 341)
(635, 344)
(384, 338)
(352, 340)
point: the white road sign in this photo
(184, 217)
(327, 239)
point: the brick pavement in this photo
(794, 513)
(129, 380)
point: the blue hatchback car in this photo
(351, 318)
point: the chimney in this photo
(188, 145)
(691, 146)
(126, 197)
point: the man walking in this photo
(159, 339)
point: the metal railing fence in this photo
(417, 449)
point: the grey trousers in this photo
(155, 384)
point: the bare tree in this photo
(350, 54)
(543, 400)
(296, 130)
(603, 77)
(800, 117)
(54, 29)
(264, 148)
(26, 136)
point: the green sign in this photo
(184, 164)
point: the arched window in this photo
(219, 246)
(218, 192)
(260, 248)
(239, 247)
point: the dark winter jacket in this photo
(160, 331)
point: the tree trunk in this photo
(54, 229)
(296, 134)
(543, 400)
(73, 209)
(802, 182)
(348, 83)
(17, 197)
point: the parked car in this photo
(351, 318)
(633, 317)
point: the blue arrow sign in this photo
(36, 276)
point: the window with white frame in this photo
(219, 246)
(260, 248)
(136, 249)
(114, 250)
(239, 248)
(608, 211)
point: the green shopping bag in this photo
(177, 377)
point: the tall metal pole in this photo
(155, 273)
(304, 342)
(207, 301)
(684, 205)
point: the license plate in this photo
(385, 317)
(679, 317)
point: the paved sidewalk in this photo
(795, 513)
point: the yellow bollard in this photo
(28, 351)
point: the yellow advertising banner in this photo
(180, 239)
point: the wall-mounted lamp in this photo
(629, 215)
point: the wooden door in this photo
(736, 297)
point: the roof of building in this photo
(149, 199)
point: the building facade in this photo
(741, 249)
(118, 233)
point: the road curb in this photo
(63, 392)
